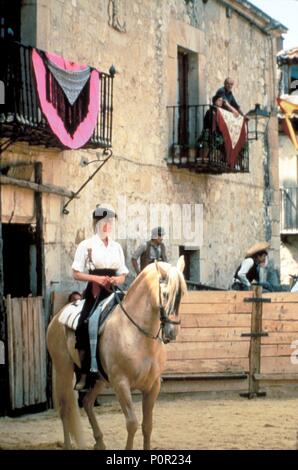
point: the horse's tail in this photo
(64, 396)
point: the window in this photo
(10, 19)
(192, 263)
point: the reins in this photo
(162, 314)
(149, 335)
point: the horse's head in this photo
(172, 287)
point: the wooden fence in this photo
(210, 352)
(210, 344)
(26, 351)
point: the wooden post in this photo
(255, 342)
(255, 336)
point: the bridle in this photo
(163, 317)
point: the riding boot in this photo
(81, 384)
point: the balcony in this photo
(21, 118)
(289, 212)
(202, 153)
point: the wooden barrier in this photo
(26, 351)
(210, 346)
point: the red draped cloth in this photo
(234, 134)
(71, 116)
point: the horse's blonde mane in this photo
(176, 286)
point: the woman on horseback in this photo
(99, 260)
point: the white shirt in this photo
(295, 287)
(103, 257)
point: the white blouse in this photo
(103, 257)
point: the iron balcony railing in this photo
(289, 210)
(190, 147)
(21, 118)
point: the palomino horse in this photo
(131, 350)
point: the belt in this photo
(96, 288)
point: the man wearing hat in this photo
(148, 252)
(99, 261)
(249, 270)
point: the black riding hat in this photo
(102, 213)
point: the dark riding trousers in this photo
(91, 302)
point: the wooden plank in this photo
(37, 387)
(280, 326)
(276, 350)
(203, 386)
(220, 320)
(220, 350)
(207, 365)
(276, 337)
(214, 308)
(215, 296)
(24, 314)
(42, 346)
(31, 349)
(39, 367)
(10, 348)
(18, 351)
(42, 188)
(280, 311)
(284, 377)
(206, 376)
(212, 334)
(282, 297)
(278, 365)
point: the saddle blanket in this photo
(71, 313)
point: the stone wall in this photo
(237, 212)
(288, 179)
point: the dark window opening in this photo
(293, 79)
(183, 67)
(192, 264)
(10, 19)
(19, 260)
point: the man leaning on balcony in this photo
(229, 102)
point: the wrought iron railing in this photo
(289, 210)
(21, 118)
(196, 147)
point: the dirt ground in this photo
(180, 422)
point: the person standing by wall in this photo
(148, 252)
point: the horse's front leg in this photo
(88, 403)
(123, 392)
(149, 399)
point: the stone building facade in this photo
(287, 62)
(142, 39)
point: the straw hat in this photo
(254, 249)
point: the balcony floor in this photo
(204, 166)
(21, 130)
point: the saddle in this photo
(97, 318)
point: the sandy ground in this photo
(180, 422)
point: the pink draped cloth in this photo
(85, 129)
(234, 134)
